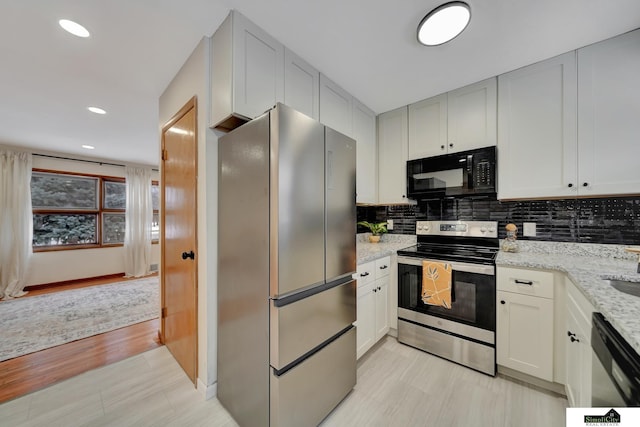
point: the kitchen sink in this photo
(631, 288)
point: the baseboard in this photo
(74, 281)
(531, 380)
(106, 277)
(207, 392)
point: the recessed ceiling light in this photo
(74, 28)
(89, 147)
(444, 23)
(96, 110)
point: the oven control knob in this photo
(492, 229)
(483, 229)
(426, 227)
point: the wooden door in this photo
(179, 244)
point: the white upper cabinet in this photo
(471, 119)
(364, 132)
(608, 116)
(428, 127)
(301, 85)
(393, 145)
(335, 106)
(248, 72)
(537, 140)
(459, 120)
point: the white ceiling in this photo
(49, 77)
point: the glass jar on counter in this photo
(510, 244)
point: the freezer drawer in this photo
(299, 327)
(306, 394)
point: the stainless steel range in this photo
(465, 332)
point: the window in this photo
(78, 211)
(65, 209)
(114, 202)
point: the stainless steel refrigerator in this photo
(286, 256)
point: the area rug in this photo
(31, 324)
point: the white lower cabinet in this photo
(372, 303)
(578, 347)
(525, 321)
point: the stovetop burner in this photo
(463, 241)
(451, 252)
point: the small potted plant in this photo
(376, 230)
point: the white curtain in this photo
(139, 215)
(16, 222)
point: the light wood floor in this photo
(397, 386)
(35, 371)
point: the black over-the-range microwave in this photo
(462, 174)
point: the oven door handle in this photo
(487, 270)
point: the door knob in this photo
(189, 254)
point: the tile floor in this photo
(397, 386)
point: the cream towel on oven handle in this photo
(436, 283)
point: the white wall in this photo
(58, 266)
(193, 80)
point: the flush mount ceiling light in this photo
(74, 28)
(96, 110)
(444, 23)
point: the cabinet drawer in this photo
(366, 273)
(526, 282)
(383, 265)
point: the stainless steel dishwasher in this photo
(615, 367)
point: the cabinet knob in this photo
(585, 184)
(570, 185)
(375, 290)
(572, 336)
(451, 145)
(442, 147)
(383, 267)
(404, 196)
(379, 288)
(502, 302)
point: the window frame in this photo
(98, 212)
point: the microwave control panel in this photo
(483, 175)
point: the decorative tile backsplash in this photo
(604, 220)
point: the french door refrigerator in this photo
(286, 256)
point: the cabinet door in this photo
(392, 156)
(364, 132)
(366, 318)
(301, 85)
(258, 68)
(578, 366)
(525, 334)
(471, 116)
(428, 127)
(335, 106)
(382, 307)
(537, 139)
(578, 350)
(608, 125)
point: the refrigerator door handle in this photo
(330, 169)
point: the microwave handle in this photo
(470, 183)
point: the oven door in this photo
(473, 288)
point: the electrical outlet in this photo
(529, 229)
(389, 224)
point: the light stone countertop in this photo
(388, 245)
(588, 265)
